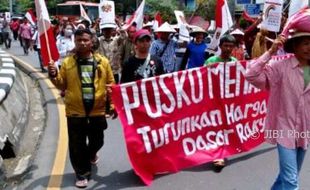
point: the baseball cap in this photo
(141, 34)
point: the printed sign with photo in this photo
(272, 15)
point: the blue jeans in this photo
(290, 161)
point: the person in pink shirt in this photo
(288, 114)
(26, 35)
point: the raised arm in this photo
(261, 74)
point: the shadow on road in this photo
(119, 180)
(115, 180)
(209, 166)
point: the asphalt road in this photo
(255, 170)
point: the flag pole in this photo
(287, 6)
(46, 38)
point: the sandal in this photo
(219, 163)
(81, 183)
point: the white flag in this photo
(137, 17)
(296, 5)
(182, 24)
(84, 14)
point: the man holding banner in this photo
(227, 44)
(287, 122)
(143, 64)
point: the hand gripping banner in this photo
(188, 118)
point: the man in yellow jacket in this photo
(85, 76)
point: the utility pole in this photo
(11, 7)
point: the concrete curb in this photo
(7, 79)
(7, 75)
(43, 158)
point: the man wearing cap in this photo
(142, 64)
(164, 47)
(288, 107)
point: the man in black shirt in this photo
(143, 64)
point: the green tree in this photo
(166, 9)
(23, 5)
(4, 5)
(53, 3)
(206, 8)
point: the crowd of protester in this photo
(116, 43)
(125, 55)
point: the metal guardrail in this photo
(7, 74)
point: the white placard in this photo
(272, 15)
(260, 1)
(213, 46)
(182, 24)
(107, 12)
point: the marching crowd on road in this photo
(94, 56)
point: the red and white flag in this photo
(137, 17)
(223, 18)
(295, 6)
(223, 22)
(247, 17)
(47, 40)
(157, 21)
(84, 14)
(31, 18)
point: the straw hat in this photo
(237, 32)
(175, 26)
(196, 29)
(293, 34)
(148, 24)
(165, 28)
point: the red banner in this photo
(191, 117)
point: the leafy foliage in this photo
(4, 5)
(166, 8)
(53, 3)
(23, 5)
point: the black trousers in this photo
(15, 34)
(6, 39)
(86, 137)
(26, 45)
